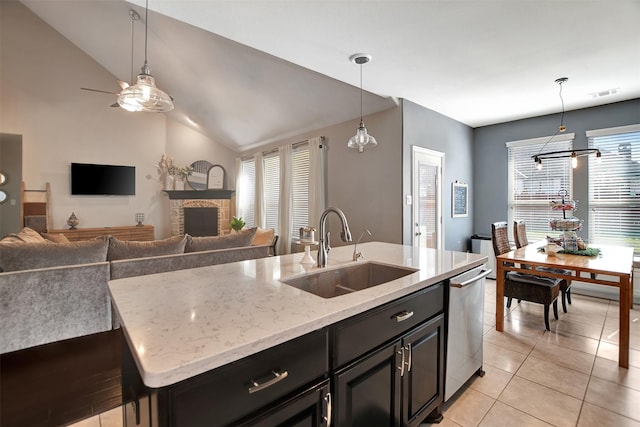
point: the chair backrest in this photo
(520, 233)
(500, 238)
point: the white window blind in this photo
(248, 191)
(614, 188)
(271, 189)
(530, 189)
(300, 189)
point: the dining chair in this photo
(521, 286)
(520, 236)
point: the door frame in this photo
(416, 153)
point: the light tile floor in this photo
(566, 377)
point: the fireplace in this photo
(179, 206)
(201, 221)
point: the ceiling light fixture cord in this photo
(361, 93)
(561, 128)
(146, 30)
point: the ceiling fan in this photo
(123, 85)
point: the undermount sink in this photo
(345, 280)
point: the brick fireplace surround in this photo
(177, 213)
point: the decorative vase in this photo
(178, 184)
(168, 182)
(73, 221)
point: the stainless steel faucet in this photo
(324, 241)
(357, 255)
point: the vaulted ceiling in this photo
(253, 71)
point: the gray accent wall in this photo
(490, 156)
(11, 166)
(428, 129)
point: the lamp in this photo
(572, 154)
(361, 138)
(144, 95)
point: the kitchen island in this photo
(188, 323)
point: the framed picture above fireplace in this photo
(215, 180)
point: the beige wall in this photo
(40, 98)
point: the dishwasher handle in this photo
(482, 275)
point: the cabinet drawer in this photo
(224, 394)
(360, 334)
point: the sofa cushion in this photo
(27, 256)
(123, 249)
(26, 235)
(263, 236)
(209, 243)
(56, 237)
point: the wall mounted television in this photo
(102, 180)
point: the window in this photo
(274, 188)
(247, 191)
(271, 190)
(530, 189)
(299, 189)
(614, 187)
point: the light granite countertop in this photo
(184, 323)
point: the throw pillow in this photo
(26, 235)
(56, 237)
(127, 249)
(263, 236)
(209, 243)
(23, 256)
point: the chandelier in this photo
(573, 154)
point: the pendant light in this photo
(571, 154)
(361, 138)
(144, 95)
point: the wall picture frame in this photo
(459, 200)
(215, 179)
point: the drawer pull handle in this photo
(277, 377)
(401, 317)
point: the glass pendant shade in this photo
(361, 138)
(144, 95)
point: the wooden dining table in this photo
(612, 267)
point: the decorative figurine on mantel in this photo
(73, 221)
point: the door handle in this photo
(410, 355)
(401, 368)
(277, 377)
(327, 398)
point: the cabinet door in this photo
(367, 392)
(311, 408)
(422, 386)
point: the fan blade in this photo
(100, 91)
(123, 85)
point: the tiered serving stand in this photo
(568, 225)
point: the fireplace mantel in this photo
(200, 194)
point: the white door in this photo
(427, 198)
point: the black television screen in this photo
(97, 180)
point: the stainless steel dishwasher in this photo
(465, 325)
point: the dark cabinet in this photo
(367, 393)
(423, 380)
(401, 382)
(311, 408)
(227, 395)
